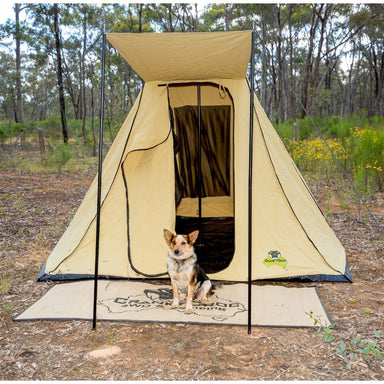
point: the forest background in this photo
(319, 69)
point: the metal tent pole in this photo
(252, 77)
(199, 180)
(96, 275)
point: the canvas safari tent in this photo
(181, 161)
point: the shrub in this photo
(59, 154)
(359, 149)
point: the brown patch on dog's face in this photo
(180, 245)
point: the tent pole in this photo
(252, 78)
(199, 151)
(96, 275)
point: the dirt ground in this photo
(34, 211)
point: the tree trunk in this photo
(291, 99)
(170, 24)
(196, 19)
(378, 64)
(19, 113)
(228, 11)
(281, 68)
(60, 73)
(263, 90)
(323, 19)
(140, 16)
(83, 80)
(308, 64)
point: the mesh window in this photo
(215, 150)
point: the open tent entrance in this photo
(202, 120)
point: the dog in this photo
(186, 275)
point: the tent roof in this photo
(185, 56)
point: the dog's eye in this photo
(173, 242)
(183, 243)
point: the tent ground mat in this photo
(272, 305)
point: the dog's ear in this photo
(168, 235)
(193, 236)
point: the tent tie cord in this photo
(345, 173)
(222, 91)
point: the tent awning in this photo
(181, 56)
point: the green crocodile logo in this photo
(275, 258)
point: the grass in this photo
(351, 348)
(58, 157)
(4, 284)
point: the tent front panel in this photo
(63, 256)
(146, 132)
(283, 209)
(150, 197)
(300, 199)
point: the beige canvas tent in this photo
(181, 159)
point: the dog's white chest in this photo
(180, 273)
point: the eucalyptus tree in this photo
(370, 42)
(173, 17)
(321, 58)
(219, 17)
(7, 95)
(48, 42)
(16, 29)
(19, 112)
(80, 47)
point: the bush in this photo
(10, 129)
(59, 154)
(359, 149)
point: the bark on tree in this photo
(308, 63)
(19, 110)
(83, 79)
(60, 73)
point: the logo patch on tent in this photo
(275, 258)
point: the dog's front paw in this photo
(204, 301)
(189, 311)
(175, 304)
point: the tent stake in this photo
(96, 276)
(252, 77)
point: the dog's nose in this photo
(176, 251)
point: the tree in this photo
(19, 110)
(7, 95)
(327, 57)
(370, 40)
(47, 42)
(172, 17)
(60, 83)
(16, 29)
